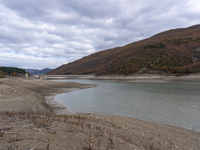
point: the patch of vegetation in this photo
(68, 73)
(179, 41)
(156, 46)
(2, 76)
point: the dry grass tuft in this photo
(2, 133)
(90, 143)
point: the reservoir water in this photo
(172, 103)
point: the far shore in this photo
(29, 120)
(132, 78)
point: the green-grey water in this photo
(171, 103)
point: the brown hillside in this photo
(172, 51)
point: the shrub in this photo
(156, 46)
(2, 76)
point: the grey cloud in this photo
(56, 32)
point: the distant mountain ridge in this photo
(169, 52)
(38, 72)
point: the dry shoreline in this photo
(30, 130)
(150, 78)
(132, 78)
(34, 96)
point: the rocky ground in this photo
(36, 127)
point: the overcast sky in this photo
(49, 33)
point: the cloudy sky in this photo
(49, 33)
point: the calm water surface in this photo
(172, 103)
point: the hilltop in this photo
(175, 51)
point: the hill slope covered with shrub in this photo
(172, 51)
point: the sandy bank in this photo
(79, 131)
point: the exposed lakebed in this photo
(172, 103)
